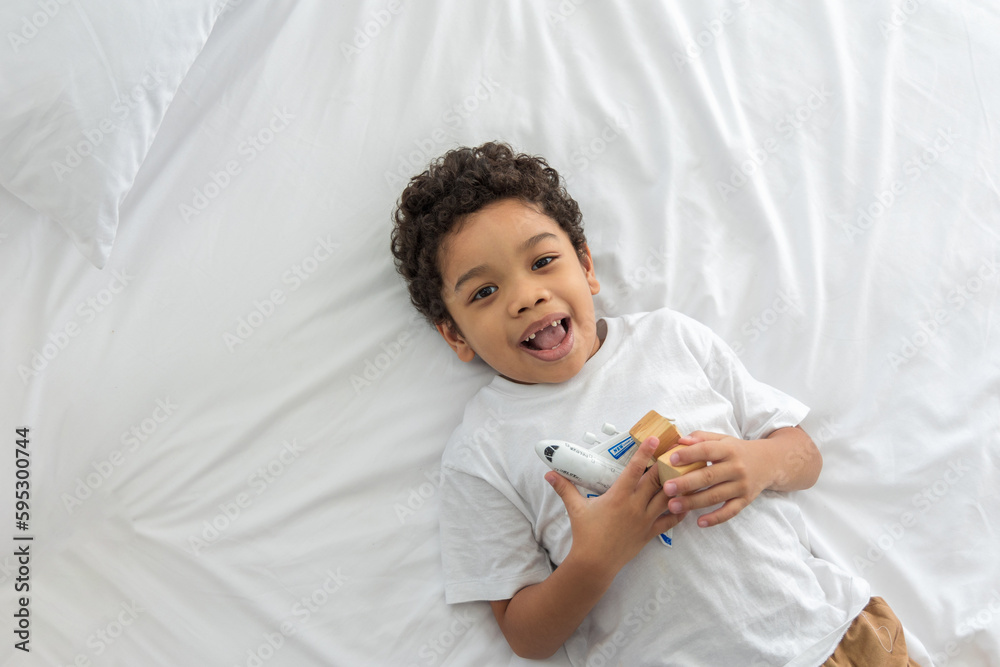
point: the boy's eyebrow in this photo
(470, 274)
(479, 270)
(536, 239)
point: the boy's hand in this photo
(786, 460)
(735, 477)
(610, 530)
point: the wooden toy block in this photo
(668, 471)
(664, 429)
(653, 424)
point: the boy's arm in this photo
(608, 532)
(786, 460)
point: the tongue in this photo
(549, 337)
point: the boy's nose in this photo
(529, 295)
(537, 302)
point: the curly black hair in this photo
(457, 184)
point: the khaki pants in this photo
(875, 639)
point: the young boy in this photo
(494, 255)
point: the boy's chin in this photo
(554, 375)
(521, 376)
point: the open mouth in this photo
(551, 341)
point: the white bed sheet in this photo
(236, 425)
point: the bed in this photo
(223, 417)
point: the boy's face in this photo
(508, 273)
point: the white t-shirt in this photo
(746, 592)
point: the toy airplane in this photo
(596, 469)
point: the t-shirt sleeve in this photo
(758, 407)
(488, 548)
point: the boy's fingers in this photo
(730, 509)
(701, 436)
(655, 498)
(667, 521)
(706, 498)
(704, 450)
(681, 456)
(692, 480)
(679, 486)
(564, 488)
(637, 465)
(658, 501)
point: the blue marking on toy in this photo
(618, 449)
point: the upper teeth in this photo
(554, 324)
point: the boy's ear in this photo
(454, 338)
(587, 261)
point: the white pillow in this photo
(84, 87)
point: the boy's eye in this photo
(544, 261)
(484, 292)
